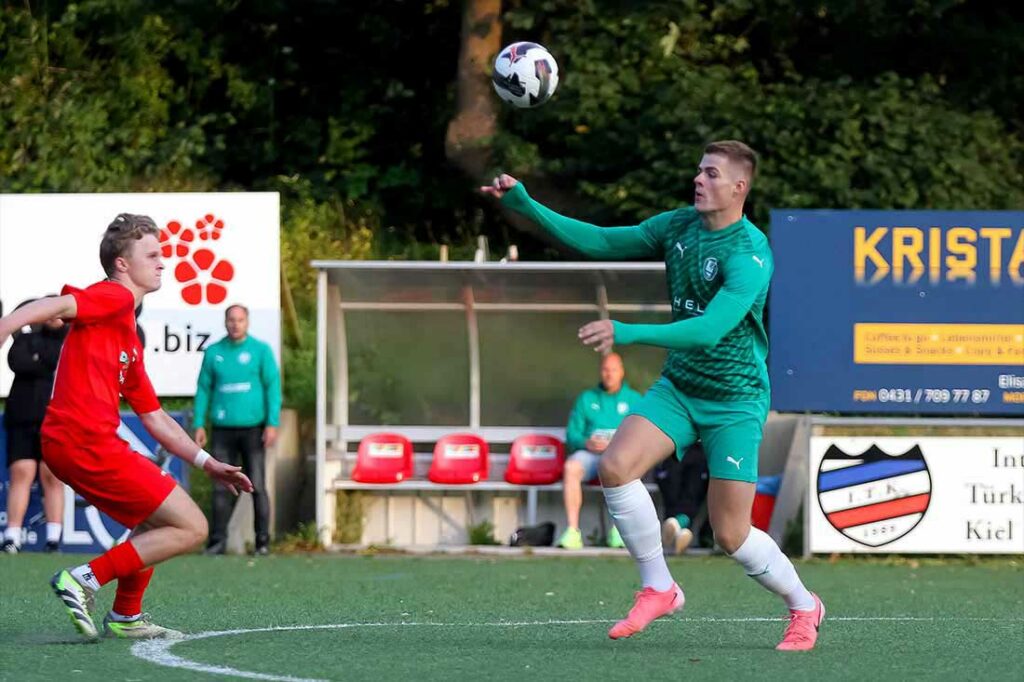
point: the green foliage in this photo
(646, 87)
(312, 229)
(482, 534)
(343, 108)
(304, 538)
(325, 229)
(86, 103)
(299, 371)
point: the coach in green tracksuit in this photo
(598, 412)
(239, 389)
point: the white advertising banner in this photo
(218, 249)
(933, 495)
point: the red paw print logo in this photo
(175, 241)
(204, 277)
(209, 227)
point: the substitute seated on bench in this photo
(595, 417)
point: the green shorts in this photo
(730, 431)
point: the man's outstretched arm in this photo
(63, 307)
(606, 243)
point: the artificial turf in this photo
(448, 618)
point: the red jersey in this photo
(101, 361)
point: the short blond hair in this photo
(736, 151)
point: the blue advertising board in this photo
(916, 312)
(86, 529)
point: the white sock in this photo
(53, 532)
(632, 510)
(114, 615)
(763, 561)
(84, 575)
(13, 533)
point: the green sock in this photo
(684, 520)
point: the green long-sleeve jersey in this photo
(239, 385)
(717, 284)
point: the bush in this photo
(482, 534)
(304, 538)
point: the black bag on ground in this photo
(541, 535)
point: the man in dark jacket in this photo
(684, 488)
(33, 359)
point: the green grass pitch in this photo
(427, 618)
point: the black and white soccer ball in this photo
(525, 75)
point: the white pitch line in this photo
(158, 651)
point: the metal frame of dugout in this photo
(483, 304)
(472, 293)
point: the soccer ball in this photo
(525, 75)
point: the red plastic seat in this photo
(459, 458)
(383, 458)
(535, 460)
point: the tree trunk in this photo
(468, 141)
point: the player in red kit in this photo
(102, 361)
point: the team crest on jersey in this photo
(874, 498)
(123, 361)
(244, 357)
(710, 269)
(622, 407)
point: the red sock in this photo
(119, 562)
(128, 600)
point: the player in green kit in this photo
(714, 384)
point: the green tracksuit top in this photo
(239, 385)
(597, 410)
(717, 284)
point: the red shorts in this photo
(120, 482)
